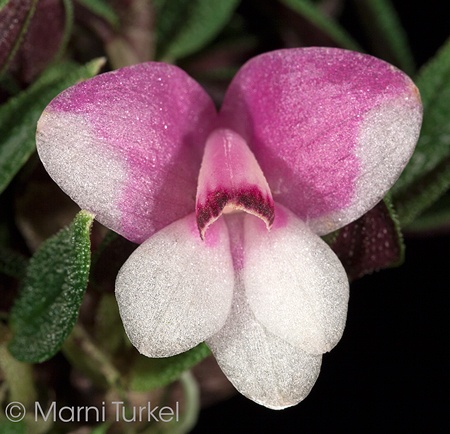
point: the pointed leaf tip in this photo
(47, 308)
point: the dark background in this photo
(389, 373)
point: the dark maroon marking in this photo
(251, 199)
(370, 243)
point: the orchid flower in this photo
(230, 207)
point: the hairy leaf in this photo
(48, 304)
(148, 374)
(427, 176)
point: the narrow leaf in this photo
(192, 406)
(19, 116)
(423, 193)
(102, 9)
(387, 35)
(427, 176)
(435, 219)
(372, 242)
(69, 19)
(185, 26)
(84, 354)
(47, 308)
(148, 374)
(312, 13)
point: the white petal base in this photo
(175, 290)
(260, 365)
(295, 284)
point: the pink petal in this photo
(127, 145)
(230, 175)
(295, 284)
(175, 290)
(331, 129)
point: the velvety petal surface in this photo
(230, 175)
(261, 366)
(331, 129)
(127, 145)
(295, 284)
(176, 290)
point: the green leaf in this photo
(3, 3)
(189, 417)
(108, 332)
(10, 84)
(17, 376)
(185, 26)
(148, 374)
(47, 308)
(9, 427)
(427, 175)
(312, 13)
(434, 219)
(388, 38)
(85, 355)
(69, 20)
(102, 9)
(423, 193)
(102, 428)
(19, 116)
